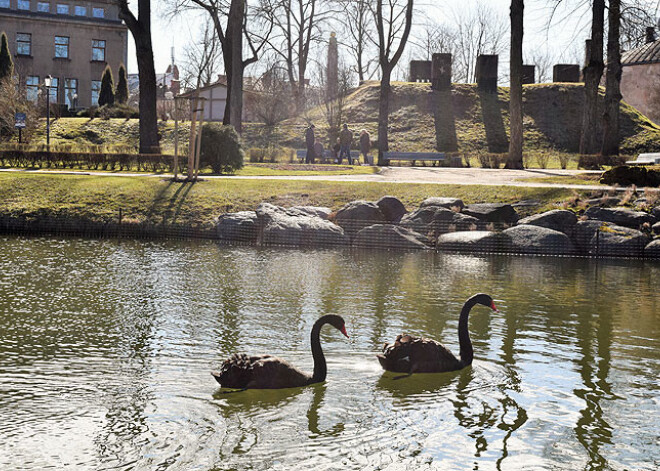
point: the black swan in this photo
(419, 355)
(242, 371)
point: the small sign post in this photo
(19, 123)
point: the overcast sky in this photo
(563, 39)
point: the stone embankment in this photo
(447, 224)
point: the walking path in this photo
(430, 175)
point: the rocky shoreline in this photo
(448, 225)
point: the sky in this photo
(562, 39)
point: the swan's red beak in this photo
(343, 331)
(493, 307)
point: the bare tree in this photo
(358, 26)
(479, 31)
(432, 37)
(271, 97)
(140, 28)
(515, 158)
(393, 24)
(203, 59)
(636, 16)
(593, 72)
(334, 105)
(543, 61)
(612, 82)
(296, 28)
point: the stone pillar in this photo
(486, 73)
(528, 74)
(441, 71)
(332, 70)
(420, 71)
(566, 73)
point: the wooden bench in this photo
(413, 156)
(645, 159)
(327, 156)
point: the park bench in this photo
(645, 159)
(414, 156)
(327, 156)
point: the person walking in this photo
(309, 140)
(345, 141)
(365, 145)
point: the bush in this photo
(117, 111)
(624, 175)
(221, 148)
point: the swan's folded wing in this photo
(274, 373)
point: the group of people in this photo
(341, 149)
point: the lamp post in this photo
(47, 82)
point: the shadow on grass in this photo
(491, 110)
(445, 120)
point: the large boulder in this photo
(448, 203)
(656, 212)
(393, 209)
(656, 228)
(435, 220)
(604, 200)
(280, 226)
(238, 227)
(492, 212)
(652, 250)
(389, 236)
(607, 239)
(357, 215)
(620, 216)
(527, 238)
(474, 241)
(557, 220)
(319, 211)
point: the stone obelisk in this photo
(332, 70)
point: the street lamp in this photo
(47, 81)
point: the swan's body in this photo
(410, 354)
(243, 371)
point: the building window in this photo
(32, 87)
(62, 47)
(98, 50)
(71, 93)
(96, 91)
(4, 4)
(23, 44)
(98, 12)
(43, 7)
(54, 86)
(80, 10)
(23, 4)
(62, 9)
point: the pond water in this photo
(106, 348)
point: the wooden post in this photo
(199, 139)
(176, 138)
(193, 138)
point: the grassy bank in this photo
(156, 201)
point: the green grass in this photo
(156, 200)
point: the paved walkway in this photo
(430, 175)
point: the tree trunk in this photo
(515, 159)
(612, 82)
(235, 82)
(592, 74)
(383, 115)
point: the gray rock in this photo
(392, 208)
(389, 236)
(607, 239)
(527, 238)
(620, 216)
(238, 227)
(280, 226)
(474, 241)
(656, 228)
(652, 250)
(357, 215)
(656, 212)
(448, 203)
(557, 219)
(435, 220)
(604, 200)
(319, 211)
(492, 212)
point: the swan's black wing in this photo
(241, 371)
(417, 355)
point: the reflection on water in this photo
(106, 349)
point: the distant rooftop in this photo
(647, 54)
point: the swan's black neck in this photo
(467, 354)
(320, 368)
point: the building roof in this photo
(646, 54)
